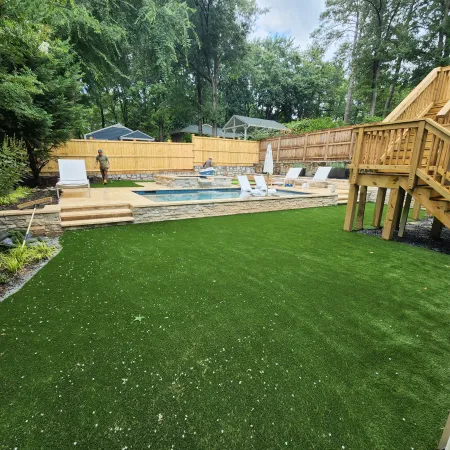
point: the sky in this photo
(295, 18)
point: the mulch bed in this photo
(418, 234)
(37, 194)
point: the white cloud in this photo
(294, 18)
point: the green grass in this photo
(259, 331)
(117, 183)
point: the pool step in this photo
(81, 217)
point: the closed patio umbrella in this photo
(268, 162)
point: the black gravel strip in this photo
(418, 234)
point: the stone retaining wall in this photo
(44, 223)
(159, 213)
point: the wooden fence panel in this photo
(335, 145)
(142, 157)
(225, 152)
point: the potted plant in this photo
(339, 171)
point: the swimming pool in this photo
(203, 194)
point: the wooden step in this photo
(68, 208)
(94, 214)
(95, 222)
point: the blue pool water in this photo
(200, 194)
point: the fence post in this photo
(305, 146)
(327, 144)
(278, 151)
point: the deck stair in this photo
(409, 153)
(73, 217)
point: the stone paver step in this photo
(94, 214)
(69, 208)
(95, 222)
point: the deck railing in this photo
(435, 87)
(419, 148)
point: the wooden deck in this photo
(409, 153)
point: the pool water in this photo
(201, 194)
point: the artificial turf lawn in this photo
(264, 331)
(116, 183)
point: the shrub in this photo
(310, 125)
(16, 258)
(13, 164)
(338, 165)
(15, 196)
(3, 278)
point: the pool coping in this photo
(304, 195)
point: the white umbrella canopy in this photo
(268, 162)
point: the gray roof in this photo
(241, 122)
(111, 133)
(136, 135)
(206, 130)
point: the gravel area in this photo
(418, 234)
(19, 280)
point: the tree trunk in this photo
(442, 32)
(351, 81)
(35, 170)
(215, 94)
(161, 132)
(376, 70)
(446, 52)
(398, 66)
(198, 82)
(102, 114)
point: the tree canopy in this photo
(70, 66)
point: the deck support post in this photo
(436, 229)
(361, 207)
(416, 210)
(379, 206)
(393, 213)
(404, 219)
(351, 207)
(398, 211)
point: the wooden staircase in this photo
(74, 217)
(409, 153)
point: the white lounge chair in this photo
(262, 185)
(72, 173)
(246, 188)
(292, 175)
(320, 176)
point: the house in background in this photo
(246, 125)
(177, 136)
(118, 132)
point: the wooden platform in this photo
(410, 157)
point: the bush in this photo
(15, 196)
(13, 164)
(3, 278)
(16, 258)
(310, 125)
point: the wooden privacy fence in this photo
(141, 157)
(225, 152)
(335, 145)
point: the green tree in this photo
(40, 88)
(219, 39)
